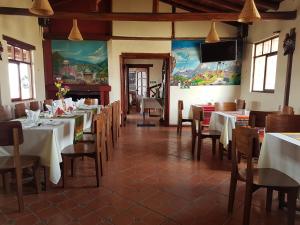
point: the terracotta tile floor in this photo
(151, 180)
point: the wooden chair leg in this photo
(221, 150)
(6, 182)
(281, 199)
(247, 205)
(199, 148)
(193, 144)
(269, 199)
(214, 143)
(98, 168)
(37, 180)
(72, 167)
(64, 171)
(229, 150)
(233, 182)
(20, 189)
(292, 198)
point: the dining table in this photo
(47, 137)
(281, 151)
(226, 121)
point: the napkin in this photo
(80, 102)
(33, 116)
(69, 104)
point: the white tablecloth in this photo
(46, 142)
(225, 123)
(281, 152)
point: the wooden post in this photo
(173, 23)
(155, 6)
(289, 48)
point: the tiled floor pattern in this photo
(151, 180)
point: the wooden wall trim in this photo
(18, 43)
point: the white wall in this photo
(262, 30)
(200, 94)
(26, 30)
(155, 72)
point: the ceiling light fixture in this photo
(212, 36)
(75, 34)
(249, 12)
(41, 8)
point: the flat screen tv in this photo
(217, 52)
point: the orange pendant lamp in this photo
(249, 12)
(75, 34)
(41, 8)
(212, 36)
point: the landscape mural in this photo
(189, 71)
(80, 62)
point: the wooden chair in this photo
(180, 119)
(20, 110)
(258, 118)
(286, 110)
(34, 106)
(198, 132)
(11, 135)
(119, 115)
(115, 121)
(91, 101)
(47, 102)
(240, 104)
(5, 113)
(243, 141)
(225, 106)
(282, 123)
(108, 131)
(92, 150)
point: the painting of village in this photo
(80, 62)
(189, 71)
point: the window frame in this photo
(27, 47)
(266, 55)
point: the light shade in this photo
(249, 12)
(41, 8)
(212, 36)
(75, 34)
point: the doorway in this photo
(136, 80)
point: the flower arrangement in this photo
(62, 90)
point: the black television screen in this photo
(216, 52)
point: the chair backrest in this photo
(5, 113)
(286, 110)
(100, 132)
(197, 118)
(225, 106)
(258, 118)
(34, 106)
(240, 104)
(180, 108)
(20, 110)
(244, 141)
(11, 133)
(91, 101)
(282, 123)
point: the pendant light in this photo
(41, 8)
(75, 34)
(249, 12)
(212, 36)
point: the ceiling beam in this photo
(261, 4)
(155, 6)
(154, 17)
(223, 5)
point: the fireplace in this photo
(101, 92)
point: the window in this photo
(19, 69)
(264, 65)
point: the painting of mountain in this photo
(80, 62)
(189, 70)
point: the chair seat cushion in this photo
(80, 149)
(187, 120)
(7, 162)
(87, 138)
(267, 177)
(210, 133)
